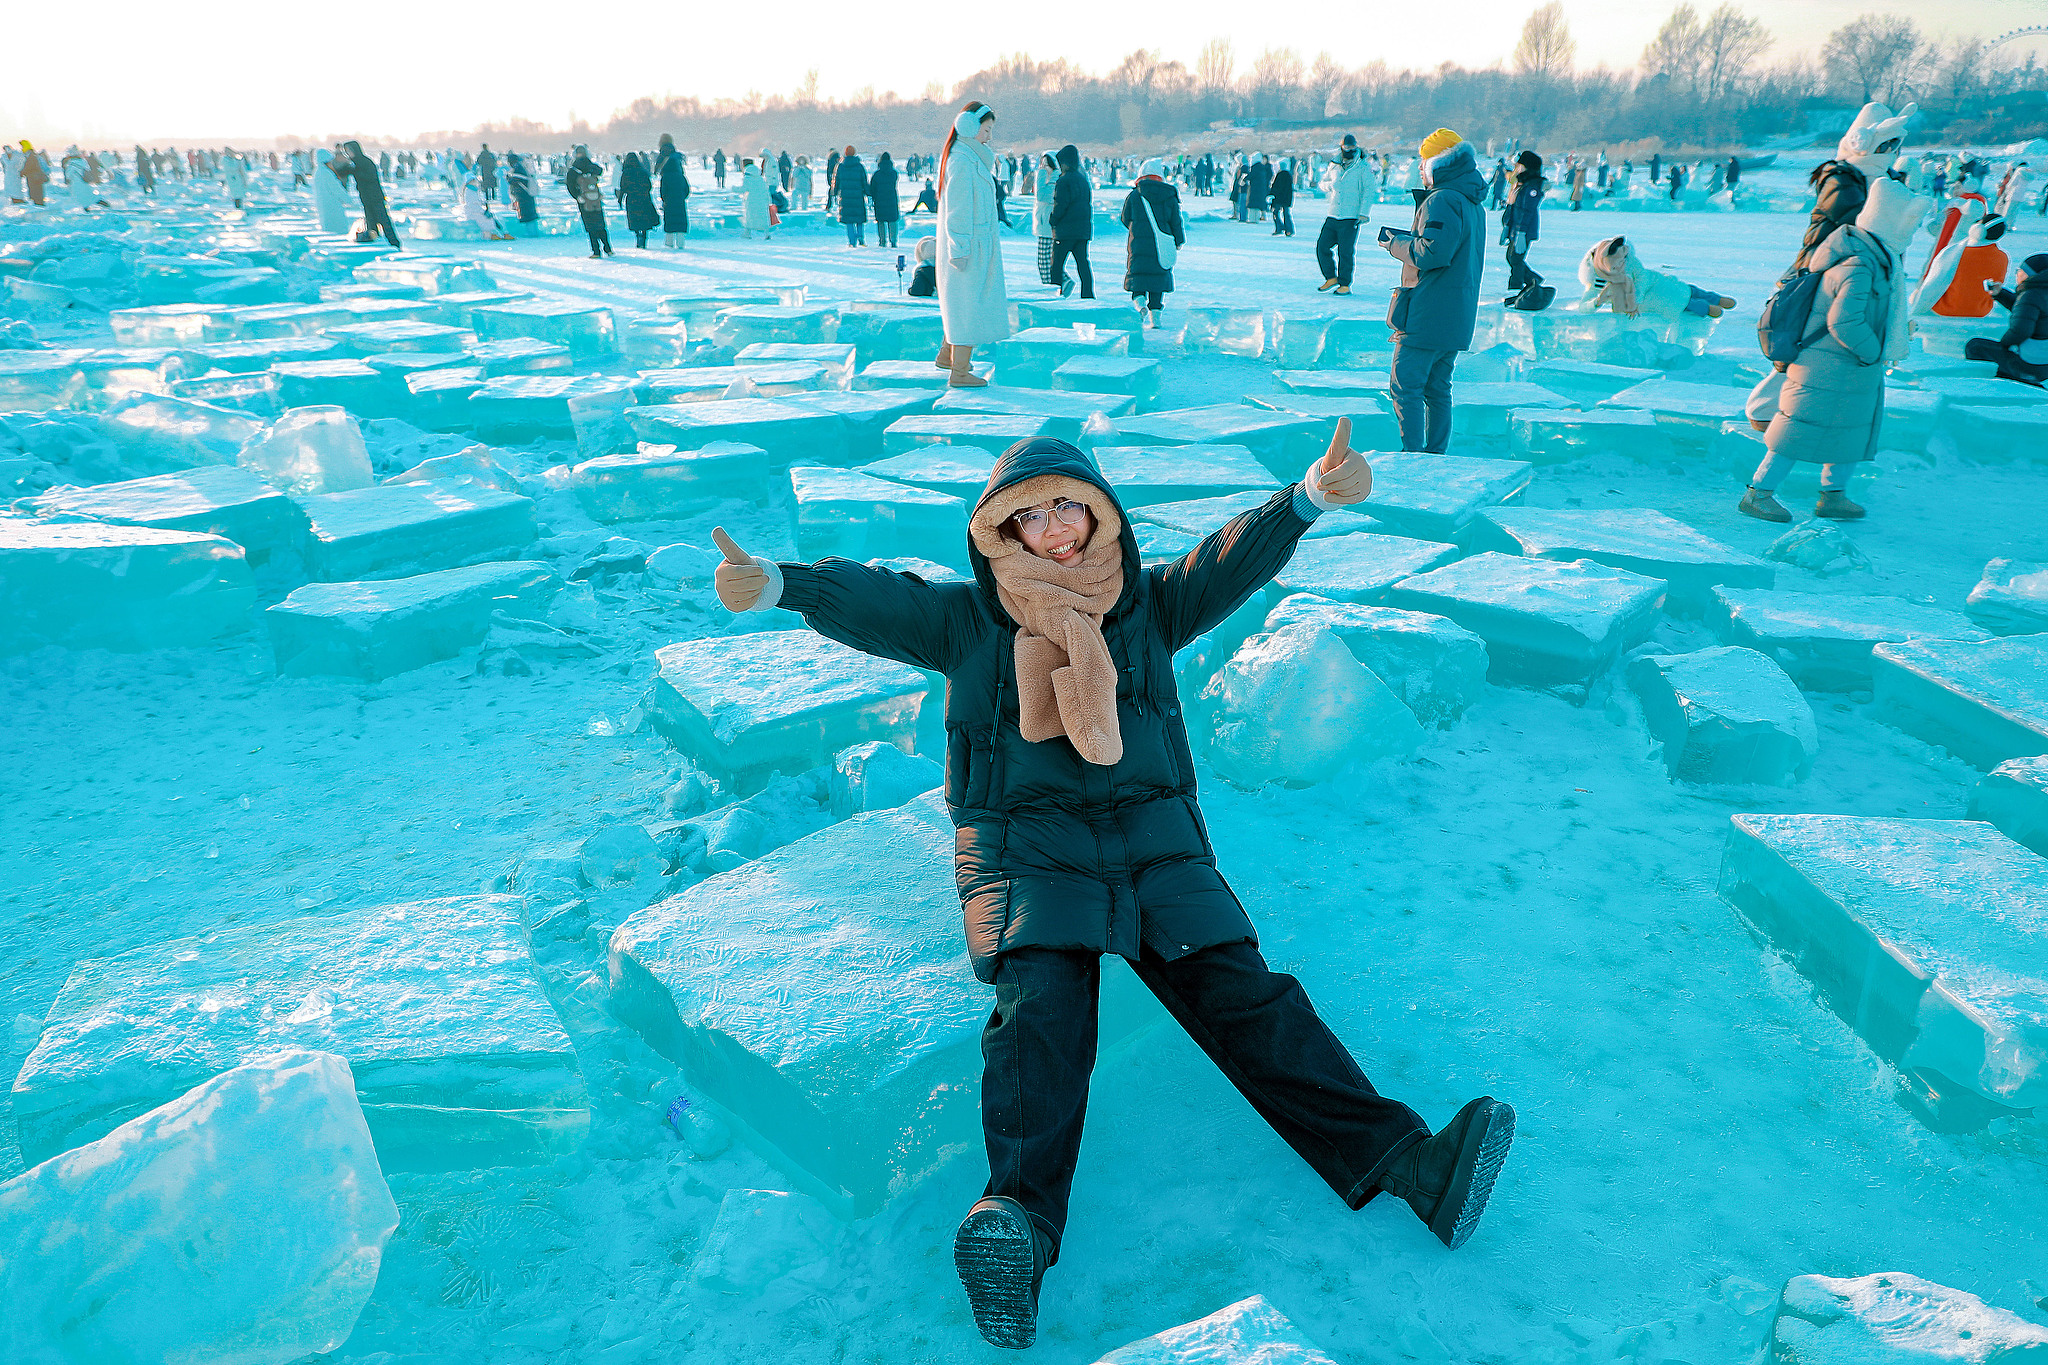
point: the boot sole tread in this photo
(994, 1256)
(1479, 1163)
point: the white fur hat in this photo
(1153, 166)
(1875, 125)
(967, 123)
(1892, 213)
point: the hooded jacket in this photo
(1073, 207)
(973, 301)
(1438, 300)
(636, 192)
(1143, 270)
(1831, 408)
(851, 179)
(364, 172)
(882, 190)
(1052, 851)
(2026, 332)
(1356, 188)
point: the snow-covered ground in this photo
(1527, 908)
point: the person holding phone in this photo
(1434, 309)
(1351, 197)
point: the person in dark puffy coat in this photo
(1258, 186)
(672, 178)
(1152, 213)
(1072, 788)
(1281, 197)
(1433, 312)
(585, 183)
(850, 183)
(1073, 222)
(887, 199)
(636, 193)
(2021, 353)
(1521, 221)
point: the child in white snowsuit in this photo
(1616, 278)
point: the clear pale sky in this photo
(224, 69)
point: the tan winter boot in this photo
(1834, 504)
(1762, 506)
(945, 356)
(964, 376)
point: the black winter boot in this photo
(1001, 1256)
(1448, 1178)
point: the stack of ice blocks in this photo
(658, 482)
(90, 585)
(221, 500)
(1545, 623)
(1824, 639)
(1638, 539)
(786, 432)
(587, 330)
(398, 529)
(856, 516)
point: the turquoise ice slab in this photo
(1373, 426)
(2014, 797)
(746, 706)
(960, 470)
(458, 1056)
(658, 483)
(1250, 1332)
(1985, 701)
(1690, 413)
(223, 500)
(1824, 639)
(1639, 539)
(1542, 436)
(708, 383)
(89, 585)
(2011, 598)
(788, 433)
(1929, 937)
(586, 329)
(1586, 381)
(1065, 412)
(244, 357)
(395, 530)
(1283, 442)
(867, 415)
(1726, 715)
(1145, 475)
(1435, 497)
(377, 629)
(527, 407)
(856, 516)
(1356, 568)
(834, 357)
(1205, 516)
(1545, 622)
(1433, 664)
(995, 432)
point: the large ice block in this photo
(1283, 442)
(709, 383)
(1928, 937)
(363, 389)
(1354, 384)
(1639, 539)
(2011, 598)
(856, 516)
(1726, 714)
(375, 338)
(1481, 411)
(1999, 435)
(1586, 382)
(659, 483)
(1120, 374)
(988, 431)
(1065, 413)
(1545, 622)
(459, 1059)
(177, 433)
(2014, 797)
(1911, 417)
(1436, 497)
(867, 415)
(395, 530)
(745, 706)
(244, 1221)
(894, 330)
(834, 1016)
(962, 471)
(1964, 392)
(1824, 639)
(521, 355)
(586, 329)
(1691, 414)
(1294, 707)
(244, 357)
(783, 324)
(1545, 437)
(90, 585)
(1066, 314)
(376, 630)
(834, 358)
(1249, 1332)
(221, 500)
(529, 407)
(1220, 329)
(115, 372)
(459, 308)
(1373, 424)
(1985, 701)
(911, 374)
(438, 400)
(1144, 475)
(1356, 568)
(1893, 1319)
(1204, 516)
(311, 450)
(282, 321)
(787, 433)
(255, 394)
(1434, 665)
(428, 274)
(171, 324)
(1029, 357)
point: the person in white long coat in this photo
(754, 213)
(330, 196)
(972, 301)
(235, 173)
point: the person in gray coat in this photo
(1434, 309)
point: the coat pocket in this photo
(1397, 311)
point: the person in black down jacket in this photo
(888, 202)
(636, 193)
(1152, 213)
(1258, 185)
(352, 164)
(1073, 222)
(850, 182)
(1281, 197)
(672, 178)
(2022, 352)
(1073, 792)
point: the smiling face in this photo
(1052, 538)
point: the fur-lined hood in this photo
(1456, 167)
(1031, 472)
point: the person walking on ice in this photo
(1072, 787)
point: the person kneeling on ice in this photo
(1616, 278)
(1072, 787)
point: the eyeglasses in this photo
(1034, 520)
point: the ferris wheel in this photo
(2030, 34)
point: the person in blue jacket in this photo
(1520, 222)
(1072, 788)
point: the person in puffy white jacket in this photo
(1616, 278)
(972, 300)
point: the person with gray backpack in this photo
(1152, 213)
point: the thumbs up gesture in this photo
(739, 580)
(1343, 476)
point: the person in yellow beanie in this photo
(1434, 308)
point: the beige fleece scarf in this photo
(1066, 679)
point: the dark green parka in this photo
(1050, 850)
